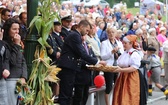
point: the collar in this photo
(130, 50)
(56, 33)
(152, 55)
(66, 28)
(78, 32)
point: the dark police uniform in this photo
(58, 39)
(56, 43)
(64, 31)
(70, 62)
(54, 48)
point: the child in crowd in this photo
(155, 69)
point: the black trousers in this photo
(109, 78)
(80, 94)
(67, 82)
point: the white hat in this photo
(67, 17)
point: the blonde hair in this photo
(110, 28)
(119, 32)
(162, 29)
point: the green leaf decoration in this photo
(33, 21)
(42, 72)
(38, 24)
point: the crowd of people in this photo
(88, 36)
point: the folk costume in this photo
(129, 89)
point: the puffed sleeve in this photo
(135, 60)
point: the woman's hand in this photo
(115, 50)
(17, 39)
(5, 73)
(104, 63)
(58, 55)
(1, 33)
(23, 81)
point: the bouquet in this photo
(25, 94)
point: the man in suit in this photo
(83, 78)
(70, 61)
(23, 25)
(5, 15)
(66, 25)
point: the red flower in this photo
(130, 53)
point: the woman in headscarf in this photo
(129, 87)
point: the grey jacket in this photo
(154, 61)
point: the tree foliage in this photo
(130, 3)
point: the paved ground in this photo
(157, 98)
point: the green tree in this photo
(130, 3)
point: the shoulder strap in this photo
(133, 52)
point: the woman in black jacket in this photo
(17, 63)
(4, 71)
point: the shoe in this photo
(150, 92)
(166, 92)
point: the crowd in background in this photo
(108, 29)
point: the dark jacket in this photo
(17, 62)
(58, 39)
(73, 51)
(55, 48)
(4, 58)
(23, 31)
(64, 33)
(84, 76)
(131, 32)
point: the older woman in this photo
(162, 36)
(127, 90)
(93, 40)
(152, 40)
(142, 44)
(109, 53)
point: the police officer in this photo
(66, 25)
(56, 42)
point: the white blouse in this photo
(130, 60)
